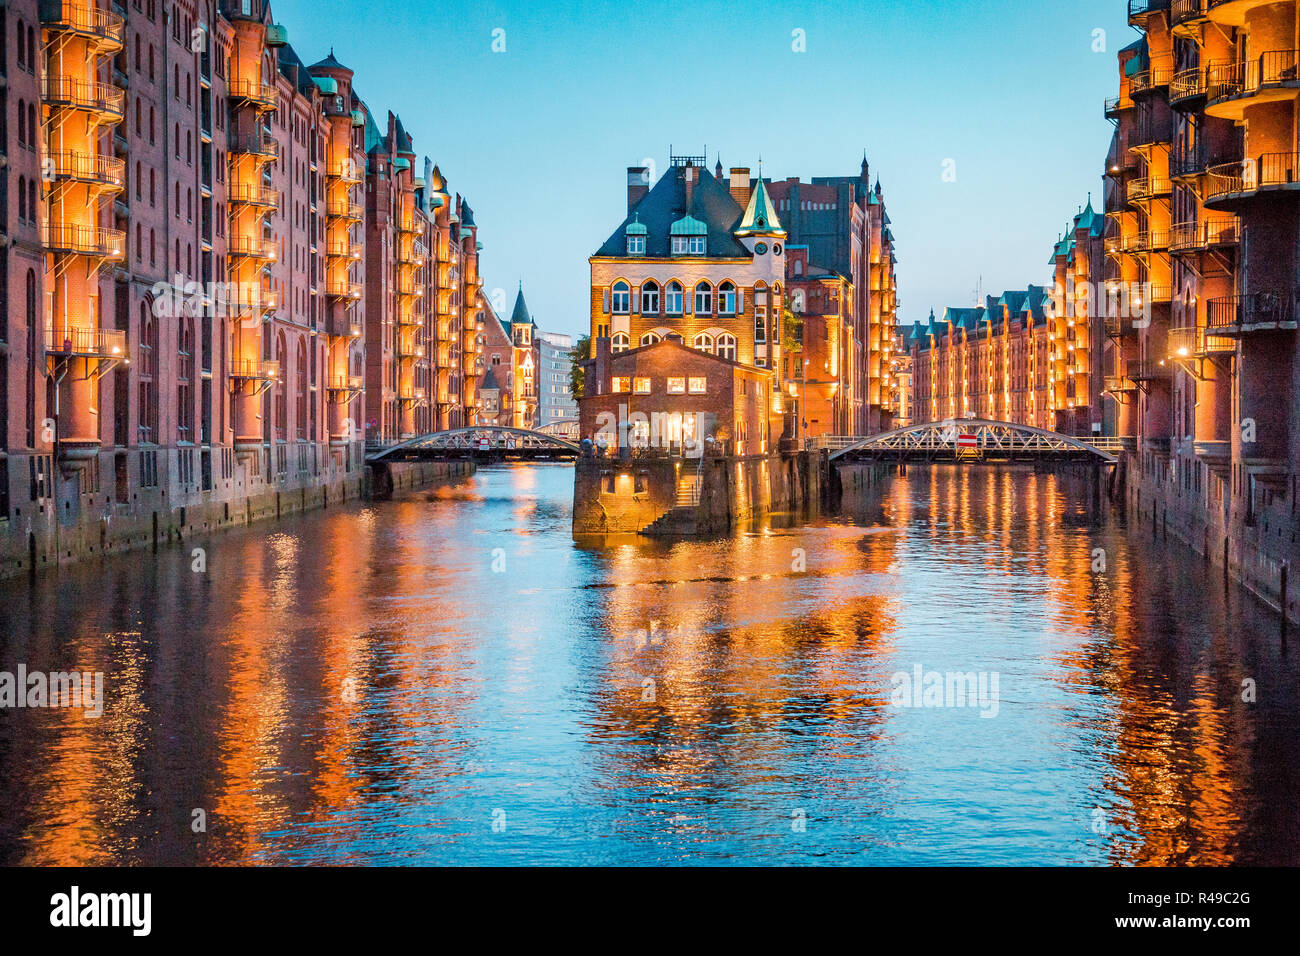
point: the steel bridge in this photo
(486, 441)
(973, 440)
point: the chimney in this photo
(690, 176)
(739, 183)
(638, 184)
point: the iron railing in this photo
(80, 240)
(1269, 170)
(84, 341)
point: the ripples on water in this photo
(450, 679)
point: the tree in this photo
(577, 373)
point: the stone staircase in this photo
(681, 519)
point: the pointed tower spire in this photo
(760, 217)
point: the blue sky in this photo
(538, 138)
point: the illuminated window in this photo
(703, 342)
(619, 384)
(698, 385)
(619, 343)
(641, 386)
(727, 299)
(677, 386)
(727, 347)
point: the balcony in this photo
(344, 324)
(345, 210)
(407, 286)
(260, 145)
(1119, 384)
(1197, 342)
(408, 349)
(1149, 370)
(337, 289)
(248, 247)
(1231, 184)
(352, 384)
(407, 319)
(1184, 13)
(1185, 164)
(248, 194)
(1157, 240)
(1236, 315)
(261, 96)
(1148, 187)
(410, 228)
(102, 100)
(1186, 87)
(1139, 10)
(344, 250)
(74, 240)
(348, 173)
(1199, 236)
(106, 172)
(85, 342)
(1116, 105)
(1233, 86)
(254, 370)
(1120, 327)
(250, 299)
(103, 29)
(1149, 82)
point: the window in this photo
(677, 386)
(727, 299)
(641, 386)
(698, 385)
(622, 298)
(703, 299)
(727, 347)
(673, 299)
(696, 245)
(760, 325)
(636, 245)
(650, 299)
(680, 245)
(650, 338)
(619, 384)
(703, 342)
(619, 343)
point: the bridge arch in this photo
(457, 442)
(937, 440)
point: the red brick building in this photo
(664, 394)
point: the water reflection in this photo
(449, 678)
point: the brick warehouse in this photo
(230, 277)
(1203, 205)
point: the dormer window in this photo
(635, 245)
(689, 237)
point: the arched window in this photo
(622, 298)
(703, 342)
(673, 298)
(619, 343)
(650, 338)
(727, 347)
(727, 298)
(650, 298)
(22, 198)
(703, 299)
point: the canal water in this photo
(449, 678)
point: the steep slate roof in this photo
(520, 315)
(1088, 219)
(329, 62)
(663, 205)
(489, 380)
